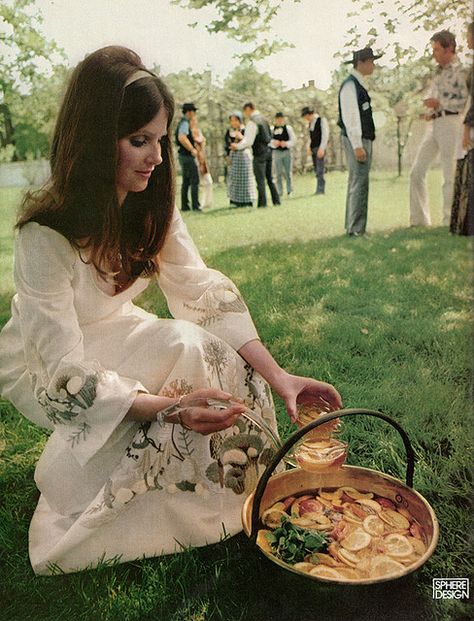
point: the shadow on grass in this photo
(386, 319)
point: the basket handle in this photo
(325, 418)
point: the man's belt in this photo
(436, 115)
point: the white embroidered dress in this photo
(72, 359)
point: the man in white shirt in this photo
(282, 142)
(318, 135)
(258, 136)
(358, 133)
(446, 100)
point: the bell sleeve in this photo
(84, 401)
(200, 294)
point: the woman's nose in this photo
(155, 154)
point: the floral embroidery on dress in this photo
(69, 394)
(218, 300)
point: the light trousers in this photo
(357, 187)
(283, 163)
(441, 136)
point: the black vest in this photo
(316, 134)
(280, 132)
(263, 137)
(182, 150)
(365, 110)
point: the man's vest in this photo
(280, 132)
(263, 136)
(182, 150)
(365, 110)
(316, 134)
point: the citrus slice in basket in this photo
(262, 540)
(303, 566)
(397, 545)
(373, 525)
(347, 557)
(323, 559)
(394, 519)
(385, 566)
(272, 516)
(323, 571)
(356, 540)
(355, 494)
(418, 545)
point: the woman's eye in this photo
(137, 142)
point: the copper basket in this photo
(271, 489)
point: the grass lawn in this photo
(386, 319)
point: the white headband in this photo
(137, 75)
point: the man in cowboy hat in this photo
(318, 128)
(358, 133)
(187, 159)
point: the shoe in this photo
(197, 208)
(261, 206)
(290, 194)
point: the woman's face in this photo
(139, 153)
(235, 122)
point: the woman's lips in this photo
(146, 174)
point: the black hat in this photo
(279, 115)
(362, 55)
(306, 110)
(188, 107)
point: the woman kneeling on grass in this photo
(138, 463)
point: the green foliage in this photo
(28, 99)
(244, 21)
(292, 543)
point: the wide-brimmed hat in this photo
(306, 110)
(362, 55)
(188, 107)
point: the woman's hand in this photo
(200, 417)
(305, 391)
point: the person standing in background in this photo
(446, 101)
(318, 135)
(462, 210)
(240, 179)
(187, 154)
(282, 142)
(358, 133)
(258, 136)
(203, 167)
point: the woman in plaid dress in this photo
(241, 182)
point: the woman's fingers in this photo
(205, 420)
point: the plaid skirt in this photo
(241, 180)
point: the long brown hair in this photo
(80, 199)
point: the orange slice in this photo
(373, 525)
(383, 566)
(356, 540)
(329, 573)
(397, 545)
(394, 519)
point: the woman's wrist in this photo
(145, 406)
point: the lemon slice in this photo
(357, 540)
(353, 493)
(272, 516)
(395, 519)
(262, 541)
(323, 571)
(397, 545)
(371, 504)
(324, 559)
(385, 566)
(373, 525)
(418, 545)
(305, 567)
(347, 557)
